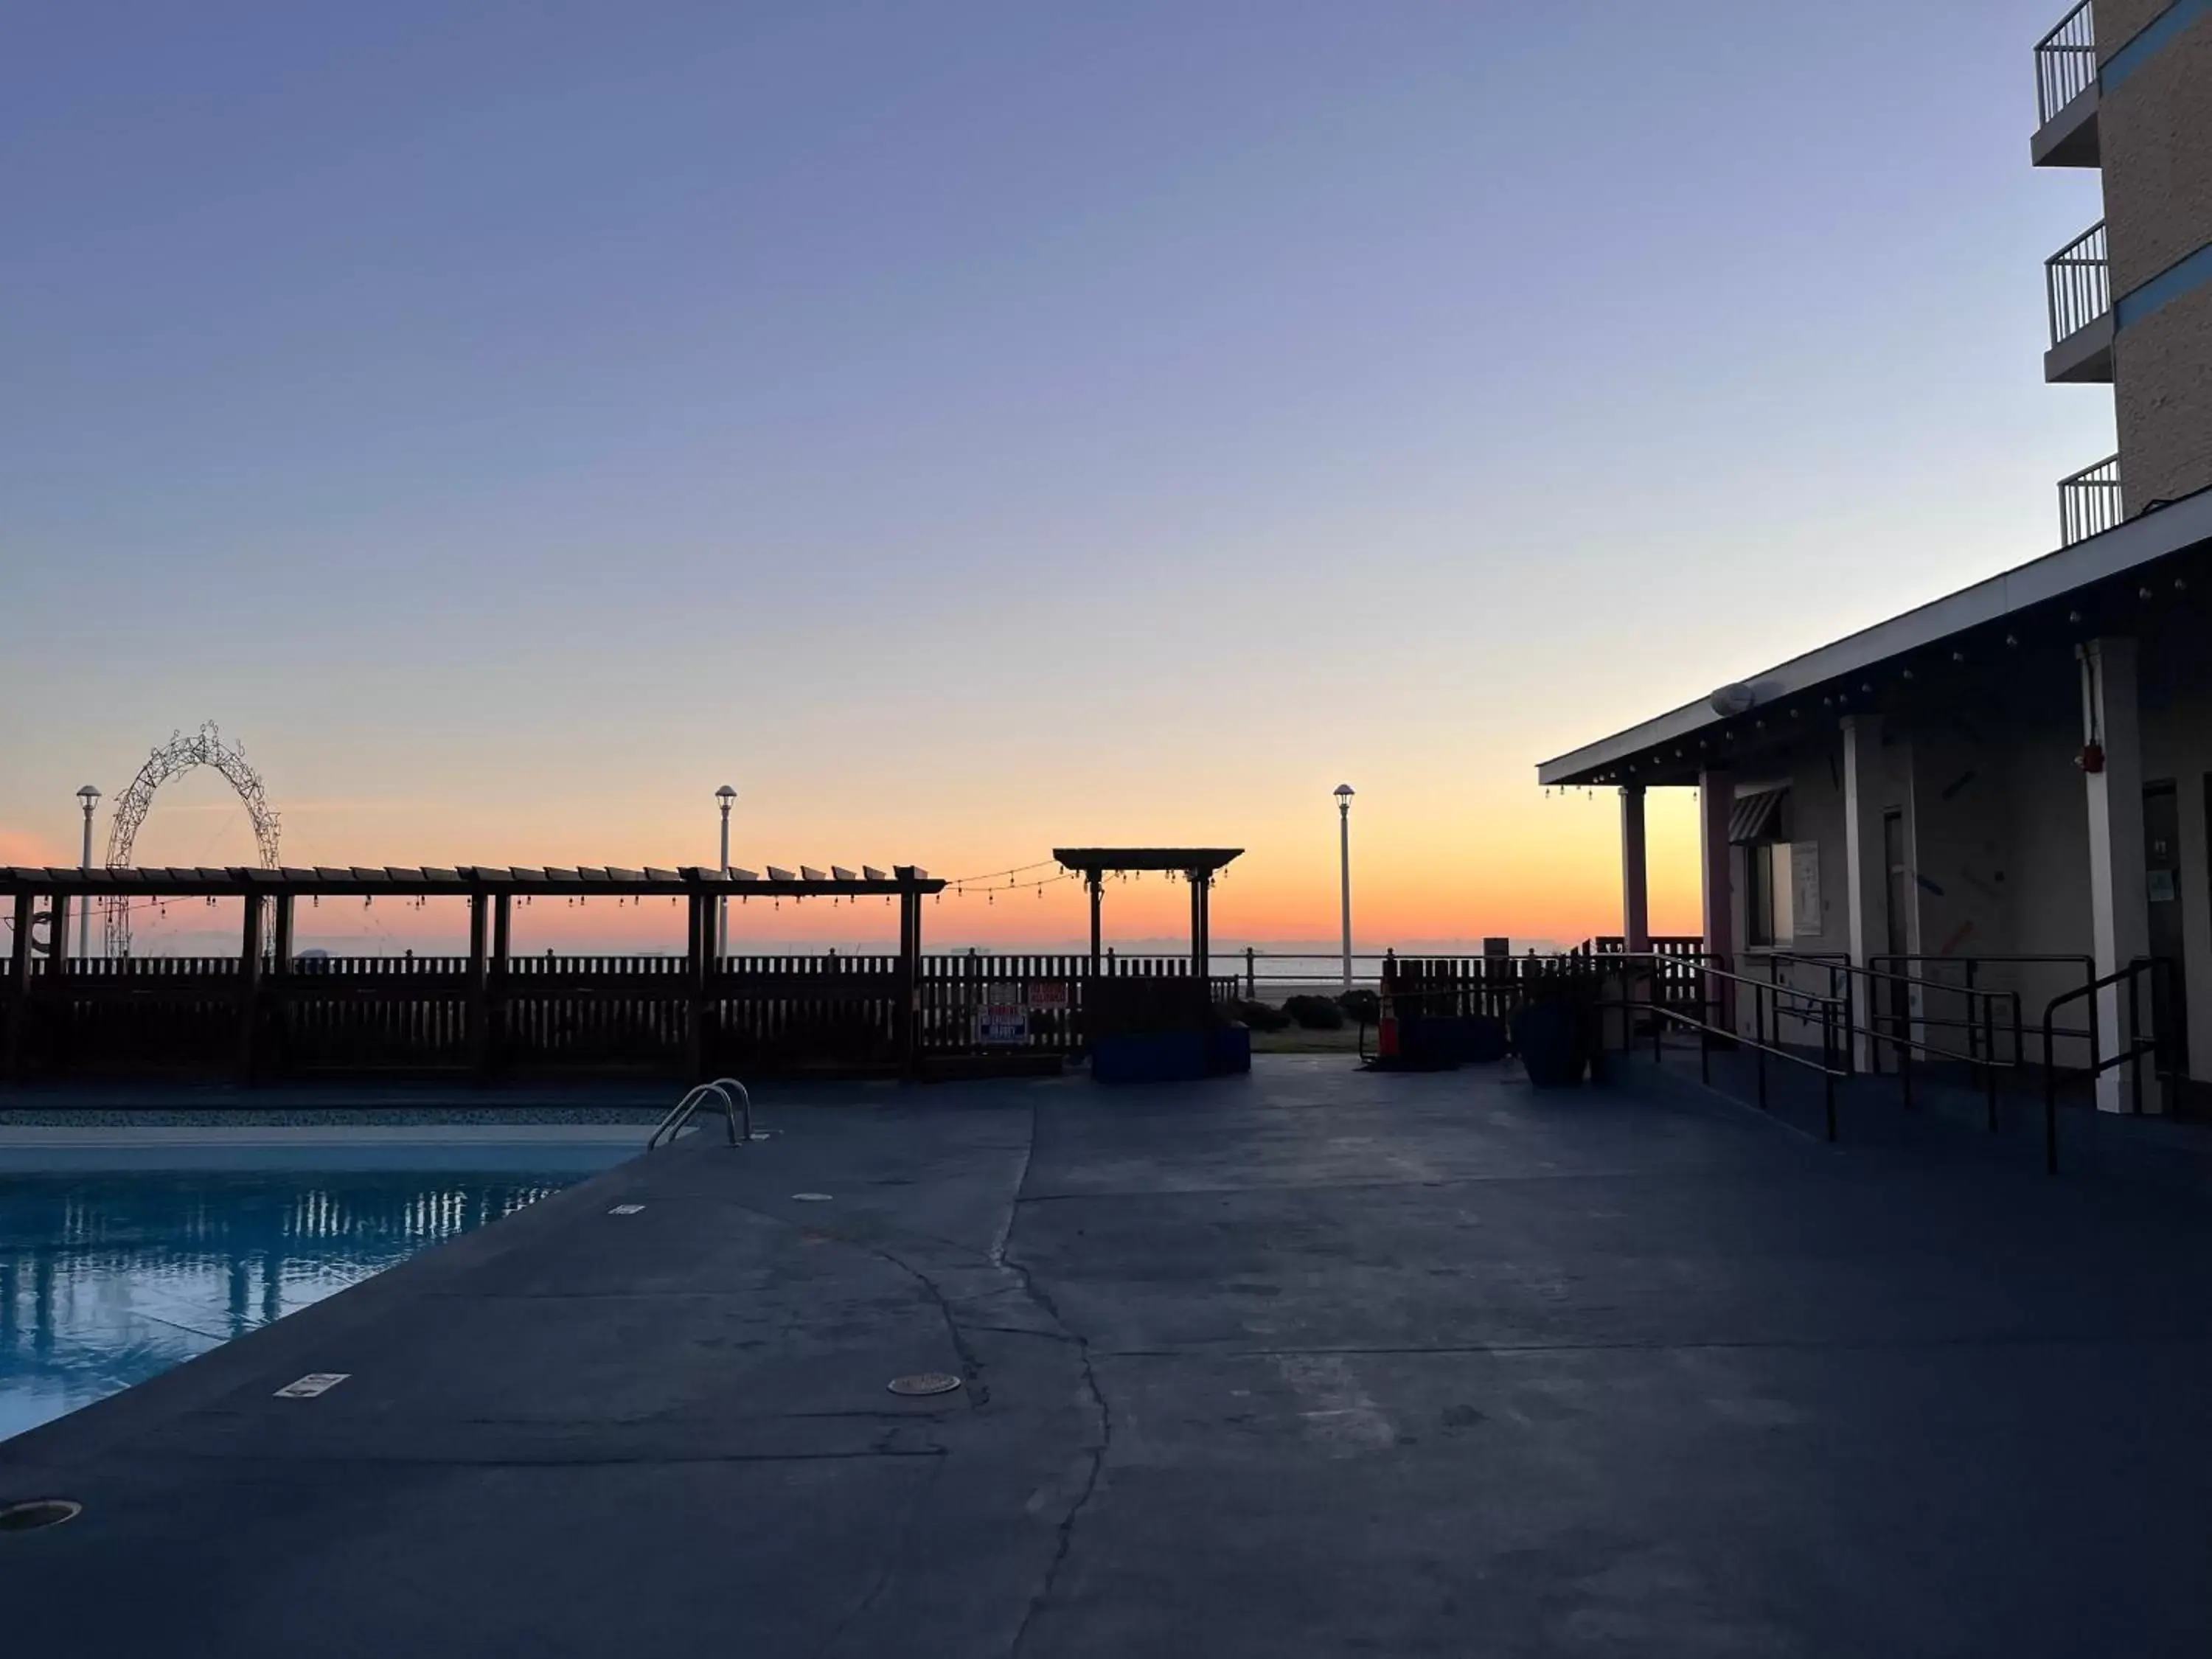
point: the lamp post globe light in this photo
(726, 796)
(90, 798)
(1344, 866)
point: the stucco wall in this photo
(2120, 22)
(2163, 401)
(2156, 128)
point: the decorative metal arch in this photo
(205, 747)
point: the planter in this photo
(1553, 1038)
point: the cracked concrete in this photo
(1313, 1362)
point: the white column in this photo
(2119, 899)
(1867, 886)
(1635, 872)
(1715, 802)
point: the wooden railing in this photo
(755, 1015)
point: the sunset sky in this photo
(969, 428)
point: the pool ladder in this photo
(714, 1096)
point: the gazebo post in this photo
(1197, 923)
(1095, 879)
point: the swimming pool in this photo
(109, 1276)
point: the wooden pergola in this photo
(1196, 864)
(270, 898)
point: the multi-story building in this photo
(2010, 788)
(2125, 87)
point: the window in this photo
(1770, 894)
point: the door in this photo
(2162, 875)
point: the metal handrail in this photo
(1766, 998)
(1982, 1056)
(694, 1098)
(1974, 964)
(2065, 62)
(2077, 281)
(2089, 501)
(2131, 1056)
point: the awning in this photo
(1756, 817)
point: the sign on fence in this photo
(1004, 1016)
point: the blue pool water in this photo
(108, 1278)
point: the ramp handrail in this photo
(696, 1097)
(1895, 1028)
(2131, 1056)
(1772, 1002)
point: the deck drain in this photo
(626, 1209)
(313, 1385)
(811, 1198)
(32, 1513)
(925, 1383)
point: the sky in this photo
(976, 427)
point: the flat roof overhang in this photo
(368, 881)
(1189, 860)
(1665, 749)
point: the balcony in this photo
(2077, 281)
(2089, 502)
(2066, 94)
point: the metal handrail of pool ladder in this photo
(694, 1098)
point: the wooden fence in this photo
(1494, 987)
(747, 1016)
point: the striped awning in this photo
(1756, 817)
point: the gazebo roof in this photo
(1199, 860)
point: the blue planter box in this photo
(1170, 1056)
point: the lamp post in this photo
(90, 797)
(726, 796)
(1344, 866)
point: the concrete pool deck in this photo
(1316, 1362)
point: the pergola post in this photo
(495, 995)
(249, 985)
(1096, 880)
(479, 988)
(908, 1023)
(699, 911)
(19, 989)
(280, 969)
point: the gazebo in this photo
(1164, 1029)
(1197, 865)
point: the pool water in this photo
(108, 1279)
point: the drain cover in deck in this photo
(32, 1513)
(925, 1383)
(812, 1198)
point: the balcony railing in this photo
(2089, 502)
(2078, 279)
(2065, 62)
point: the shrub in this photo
(1362, 1007)
(1315, 1013)
(1260, 1017)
